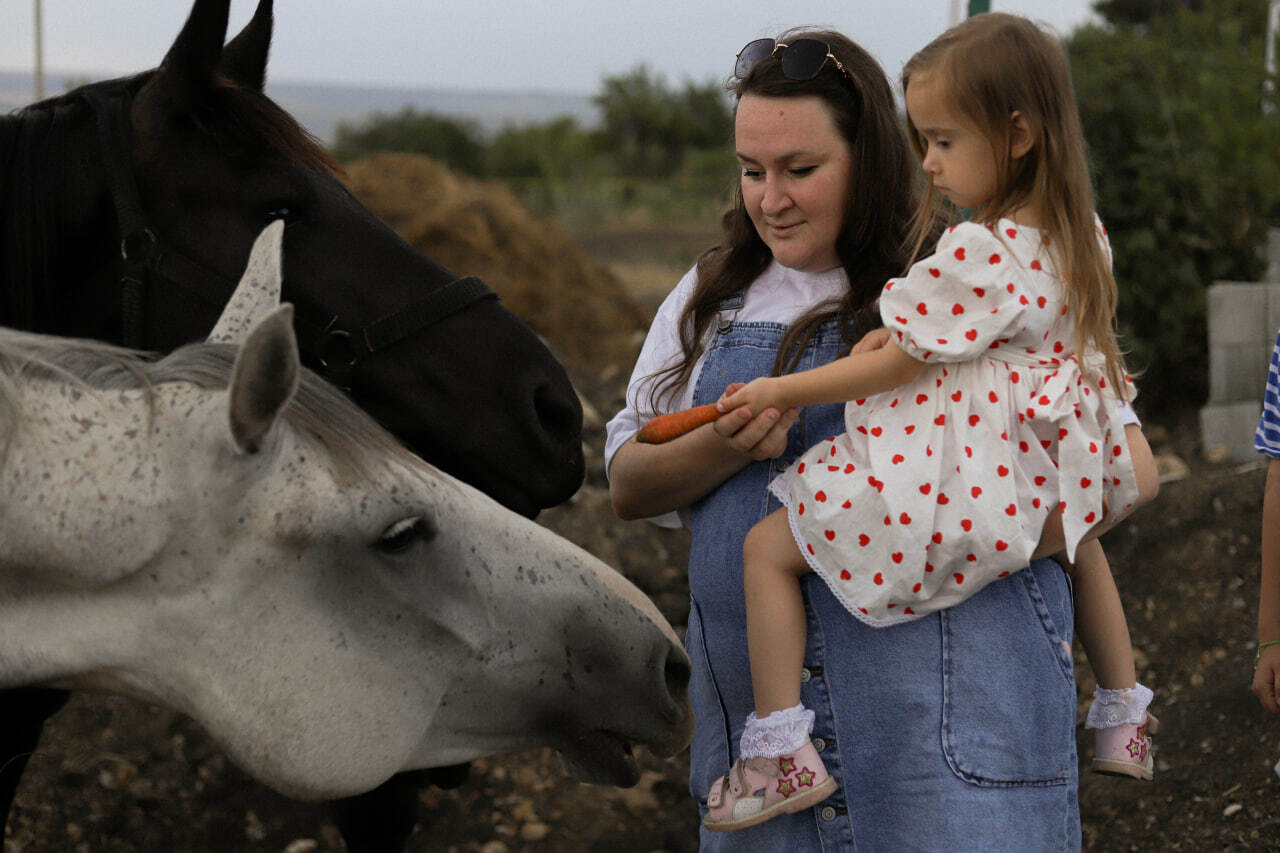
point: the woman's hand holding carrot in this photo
(756, 433)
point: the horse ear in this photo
(258, 292)
(244, 59)
(189, 67)
(263, 380)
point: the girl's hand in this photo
(757, 396)
(1266, 679)
(757, 436)
(872, 340)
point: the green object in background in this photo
(977, 7)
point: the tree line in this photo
(648, 129)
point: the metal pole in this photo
(39, 81)
(1269, 85)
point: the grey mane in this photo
(318, 411)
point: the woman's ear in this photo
(1020, 138)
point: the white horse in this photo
(222, 533)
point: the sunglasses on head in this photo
(802, 59)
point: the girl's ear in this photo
(1020, 138)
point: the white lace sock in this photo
(779, 733)
(1111, 708)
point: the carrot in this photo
(664, 428)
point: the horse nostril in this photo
(558, 414)
(676, 673)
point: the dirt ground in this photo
(117, 775)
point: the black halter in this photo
(337, 344)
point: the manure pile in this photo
(480, 228)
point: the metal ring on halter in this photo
(336, 355)
(131, 243)
(338, 350)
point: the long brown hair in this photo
(872, 244)
(995, 64)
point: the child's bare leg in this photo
(1118, 713)
(772, 567)
(778, 770)
(1100, 619)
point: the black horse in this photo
(127, 209)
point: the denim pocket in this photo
(1009, 697)
(709, 752)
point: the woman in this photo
(924, 756)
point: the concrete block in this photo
(1231, 427)
(1237, 372)
(1237, 312)
(1273, 309)
(1273, 255)
(1243, 319)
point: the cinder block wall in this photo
(1243, 320)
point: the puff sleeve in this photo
(964, 299)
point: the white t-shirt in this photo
(779, 295)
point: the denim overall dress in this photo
(955, 731)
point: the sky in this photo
(565, 46)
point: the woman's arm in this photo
(646, 480)
(848, 378)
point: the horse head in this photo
(190, 161)
(224, 533)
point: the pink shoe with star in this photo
(757, 789)
(1126, 750)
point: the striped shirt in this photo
(1267, 438)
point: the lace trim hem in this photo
(1111, 708)
(780, 733)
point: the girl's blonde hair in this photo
(995, 64)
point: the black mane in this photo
(243, 123)
(35, 149)
(246, 124)
(29, 141)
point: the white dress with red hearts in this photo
(943, 485)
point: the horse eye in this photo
(401, 535)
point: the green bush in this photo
(455, 142)
(1187, 164)
(552, 151)
(647, 127)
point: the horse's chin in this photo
(600, 758)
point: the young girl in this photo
(988, 409)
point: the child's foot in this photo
(1126, 750)
(758, 789)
